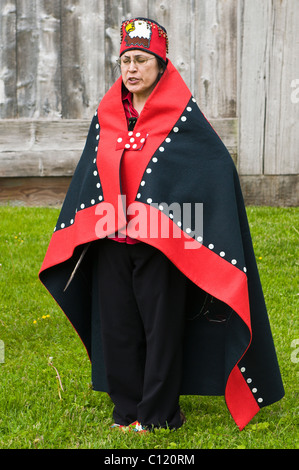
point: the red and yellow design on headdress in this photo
(146, 35)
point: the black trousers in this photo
(141, 304)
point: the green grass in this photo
(33, 328)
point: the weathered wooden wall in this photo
(268, 64)
(57, 59)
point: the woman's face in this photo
(139, 77)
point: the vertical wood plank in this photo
(134, 8)
(269, 51)
(177, 18)
(48, 71)
(73, 88)
(82, 43)
(282, 115)
(8, 65)
(92, 34)
(253, 50)
(115, 13)
(216, 57)
(27, 54)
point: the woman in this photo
(161, 310)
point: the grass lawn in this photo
(36, 413)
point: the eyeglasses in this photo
(125, 61)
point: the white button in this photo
(211, 246)
(234, 261)
(189, 109)
(138, 134)
(168, 140)
(260, 400)
(119, 139)
(92, 201)
(95, 173)
(149, 200)
(62, 225)
(243, 369)
(155, 159)
(161, 149)
(130, 133)
(149, 170)
(249, 381)
(254, 390)
(175, 129)
(132, 140)
(183, 118)
(82, 206)
(222, 254)
(142, 183)
(127, 146)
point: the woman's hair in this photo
(162, 65)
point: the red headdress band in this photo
(144, 34)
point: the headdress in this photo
(144, 34)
